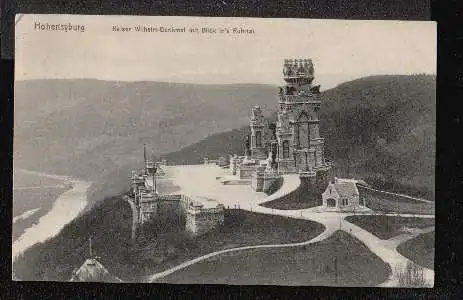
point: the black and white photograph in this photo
(234, 151)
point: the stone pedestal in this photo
(257, 181)
(233, 164)
(245, 171)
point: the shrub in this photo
(411, 275)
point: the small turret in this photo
(298, 71)
(257, 145)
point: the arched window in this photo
(258, 139)
(285, 149)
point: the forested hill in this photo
(379, 128)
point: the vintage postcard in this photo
(234, 151)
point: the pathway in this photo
(325, 234)
(290, 183)
(201, 180)
(405, 215)
(395, 194)
(134, 216)
(386, 250)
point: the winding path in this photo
(134, 216)
(201, 181)
(395, 194)
(387, 250)
(290, 183)
(325, 234)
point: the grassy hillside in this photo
(160, 244)
(380, 128)
(312, 264)
(420, 249)
(96, 129)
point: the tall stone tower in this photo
(257, 133)
(300, 147)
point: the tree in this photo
(411, 275)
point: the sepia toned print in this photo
(224, 151)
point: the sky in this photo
(341, 50)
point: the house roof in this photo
(346, 189)
(93, 271)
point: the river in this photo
(66, 207)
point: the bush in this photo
(411, 275)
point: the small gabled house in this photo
(92, 270)
(341, 196)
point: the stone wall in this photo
(272, 181)
(353, 203)
(200, 221)
(147, 211)
(245, 172)
(257, 182)
(172, 208)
